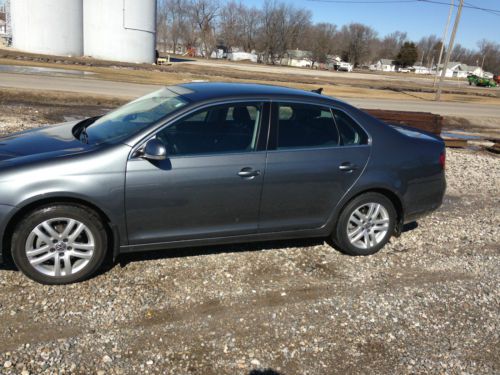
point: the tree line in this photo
(277, 27)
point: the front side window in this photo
(230, 128)
(305, 126)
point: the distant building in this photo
(297, 58)
(458, 70)
(384, 65)
(242, 56)
(419, 69)
(3, 27)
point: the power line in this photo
(495, 12)
(366, 1)
(466, 5)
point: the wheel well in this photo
(9, 230)
(398, 205)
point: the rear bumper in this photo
(424, 198)
(6, 213)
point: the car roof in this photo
(201, 91)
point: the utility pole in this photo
(443, 40)
(450, 49)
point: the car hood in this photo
(57, 139)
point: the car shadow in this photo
(267, 371)
(127, 258)
(7, 266)
(409, 227)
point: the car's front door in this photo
(316, 154)
(210, 184)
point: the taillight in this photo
(442, 159)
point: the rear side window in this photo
(305, 126)
(350, 132)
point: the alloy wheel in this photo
(60, 247)
(368, 225)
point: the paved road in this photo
(420, 79)
(133, 90)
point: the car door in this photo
(210, 185)
(315, 155)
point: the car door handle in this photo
(347, 167)
(248, 173)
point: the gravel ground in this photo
(429, 302)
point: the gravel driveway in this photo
(429, 302)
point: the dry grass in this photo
(342, 87)
(59, 98)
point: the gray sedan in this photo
(210, 163)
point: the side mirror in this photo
(154, 150)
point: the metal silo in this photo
(120, 30)
(53, 27)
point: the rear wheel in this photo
(365, 225)
(59, 244)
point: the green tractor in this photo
(480, 82)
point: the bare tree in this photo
(429, 48)
(390, 45)
(162, 32)
(489, 53)
(251, 23)
(204, 15)
(320, 39)
(356, 39)
(282, 25)
(173, 24)
(230, 24)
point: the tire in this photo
(379, 229)
(80, 248)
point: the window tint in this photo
(350, 131)
(304, 126)
(218, 129)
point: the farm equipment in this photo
(480, 82)
(497, 79)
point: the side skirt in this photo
(261, 237)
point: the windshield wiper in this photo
(80, 130)
(83, 136)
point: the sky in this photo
(416, 18)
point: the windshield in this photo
(133, 117)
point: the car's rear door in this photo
(210, 185)
(315, 155)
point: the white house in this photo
(475, 70)
(419, 69)
(3, 27)
(459, 70)
(343, 66)
(242, 56)
(384, 65)
(297, 58)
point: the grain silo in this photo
(120, 30)
(53, 27)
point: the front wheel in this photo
(59, 244)
(365, 225)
